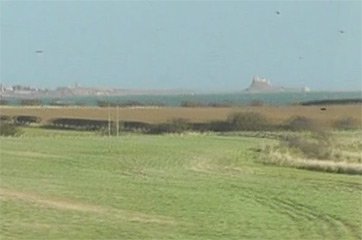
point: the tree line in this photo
(242, 121)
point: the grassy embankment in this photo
(78, 185)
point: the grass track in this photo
(70, 185)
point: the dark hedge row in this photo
(7, 129)
(247, 121)
(19, 120)
(78, 124)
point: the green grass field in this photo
(79, 185)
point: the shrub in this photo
(136, 126)
(219, 126)
(174, 126)
(300, 123)
(110, 129)
(347, 123)
(214, 126)
(248, 121)
(26, 120)
(5, 119)
(78, 124)
(179, 125)
(314, 165)
(7, 129)
(317, 146)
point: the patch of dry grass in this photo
(316, 151)
(286, 159)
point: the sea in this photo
(227, 99)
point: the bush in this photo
(136, 126)
(179, 125)
(219, 126)
(174, 126)
(78, 124)
(300, 123)
(317, 146)
(248, 121)
(110, 130)
(5, 119)
(347, 123)
(26, 120)
(7, 129)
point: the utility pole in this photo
(117, 123)
(109, 121)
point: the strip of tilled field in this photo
(276, 114)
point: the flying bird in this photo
(341, 31)
(39, 51)
(277, 12)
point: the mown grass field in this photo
(79, 185)
(275, 114)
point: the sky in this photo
(195, 45)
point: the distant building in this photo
(259, 84)
(306, 89)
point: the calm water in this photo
(234, 98)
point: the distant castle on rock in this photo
(260, 85)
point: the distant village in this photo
(19, 91)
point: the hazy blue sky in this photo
(204, 45)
